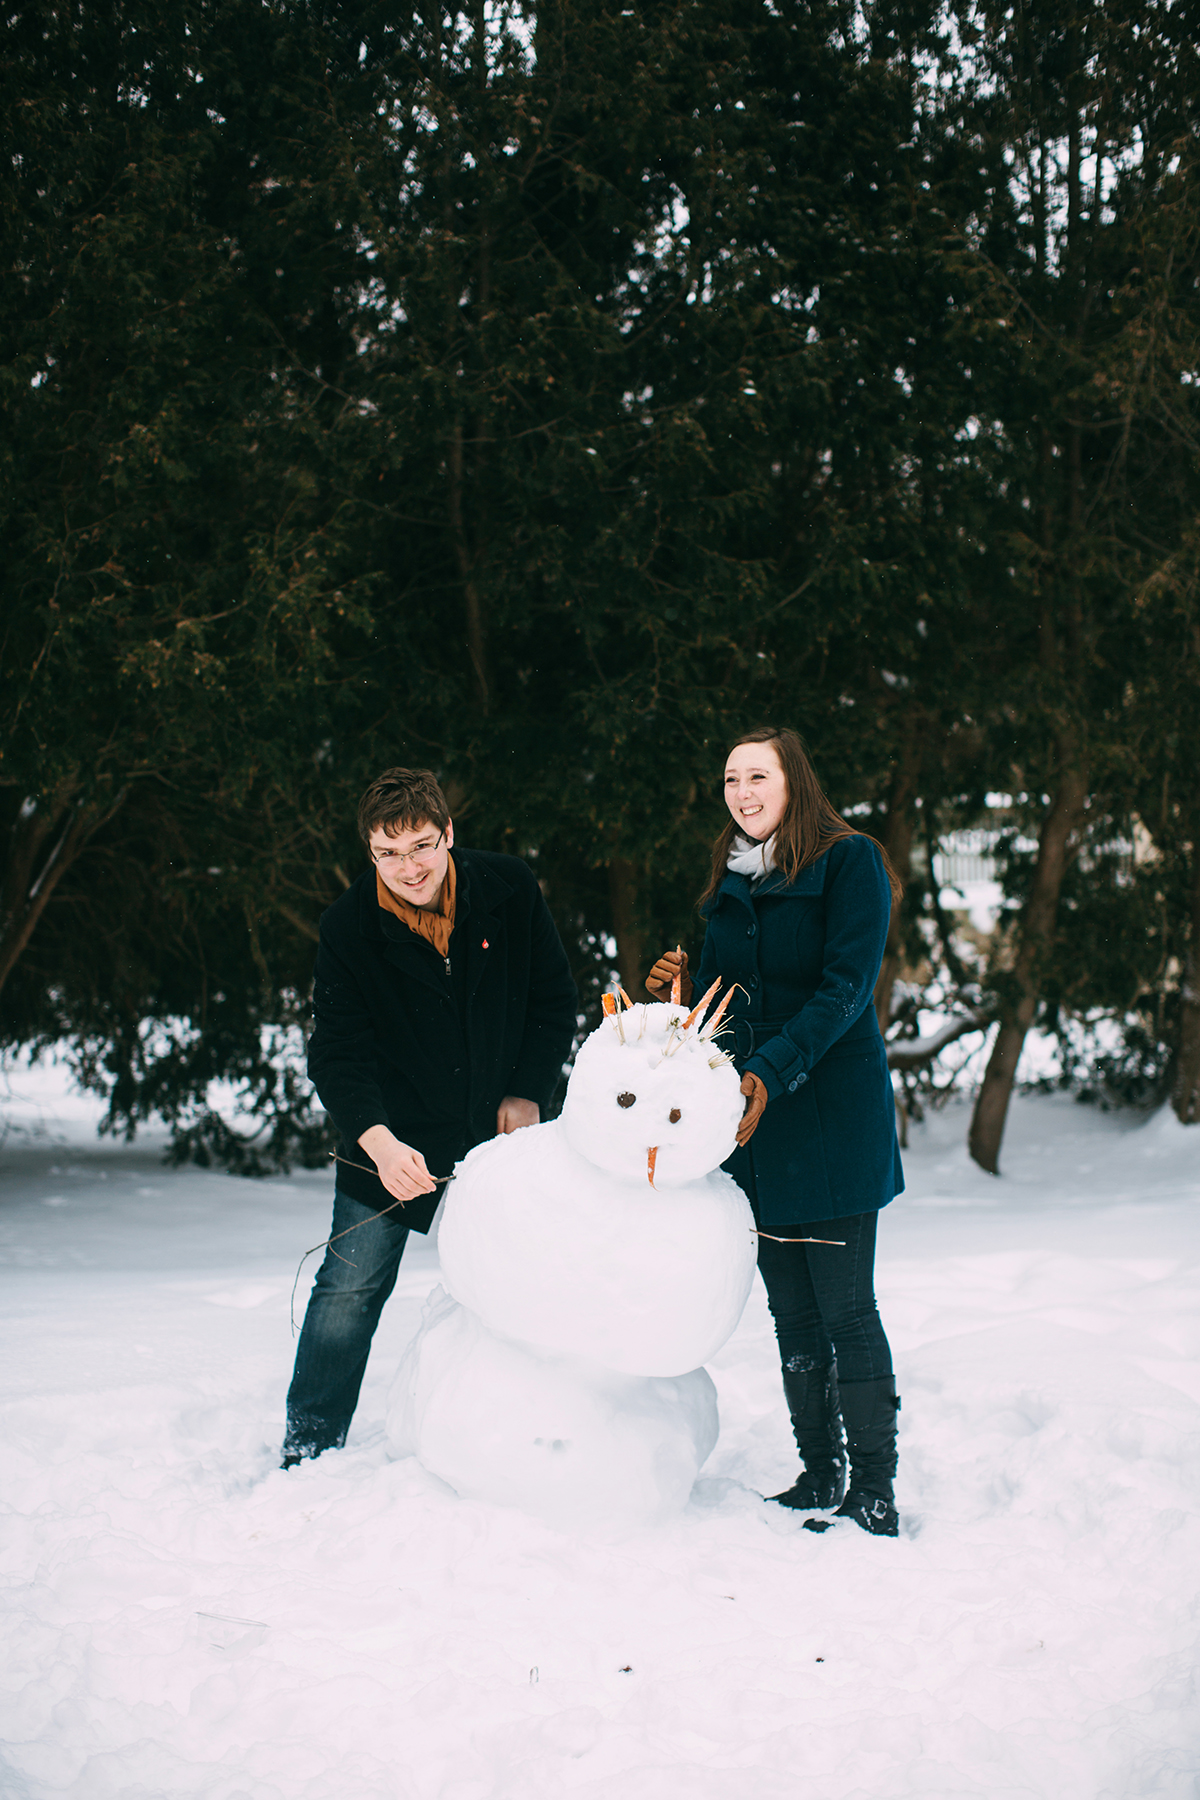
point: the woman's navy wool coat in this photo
(807, 953)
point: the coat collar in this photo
(480, 889)
(739, 888)
(481, 893)
(487, 888)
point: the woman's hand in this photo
(670, 964)
(401, 1168)
(755, 1091)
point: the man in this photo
(444, 1010)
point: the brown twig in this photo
(369, 1170)
(839, 1243)
(438, 1181)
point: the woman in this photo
(797, 907)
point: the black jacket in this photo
(399, 1041)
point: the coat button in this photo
(752, 981)
(799, 1082)
(751, 930)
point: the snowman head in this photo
(649, 1100)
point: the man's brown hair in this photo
(400, 800)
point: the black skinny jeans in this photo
(822, 1298)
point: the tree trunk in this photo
(1036, 935)
(24, 894)
(897, 842)
(628, 930)
(1185, 1095)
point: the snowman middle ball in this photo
(556, 1235)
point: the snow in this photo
(549, 1249)
(641, 1081)
(556, 1235)
(982, 900)
(181, 1618)
(585, 1447)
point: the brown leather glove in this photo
(670, 964)
(755, 1091)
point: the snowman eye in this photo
(626, 1099)
(674, 1115)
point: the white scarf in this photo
(748, 858)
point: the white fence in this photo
(964, 856)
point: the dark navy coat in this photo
(402, 1041)
(807, 952)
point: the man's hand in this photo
(401, 1168)
(515, 1113)
(755, 1091)
(670, 964)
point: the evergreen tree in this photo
(1083, 421)
(545, 396)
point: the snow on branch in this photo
(911, 1053)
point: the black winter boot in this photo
(812, 1398)
(869, 1409)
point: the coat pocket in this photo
(852, 1094)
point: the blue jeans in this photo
(822, 1298)
(356, 1277)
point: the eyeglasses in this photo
(420, 854)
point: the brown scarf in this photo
(433, 923)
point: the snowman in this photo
(592, 1265)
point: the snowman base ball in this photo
(576, 1444)
(593, 1263)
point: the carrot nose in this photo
(650, 1164)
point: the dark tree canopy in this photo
(544, 395)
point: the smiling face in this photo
(756, 790)
(425, 850)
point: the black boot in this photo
(812, 1398)
(869, 1409)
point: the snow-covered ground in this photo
(182, 1618)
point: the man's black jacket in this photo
(400, 1041)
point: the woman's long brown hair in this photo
(809, 825)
